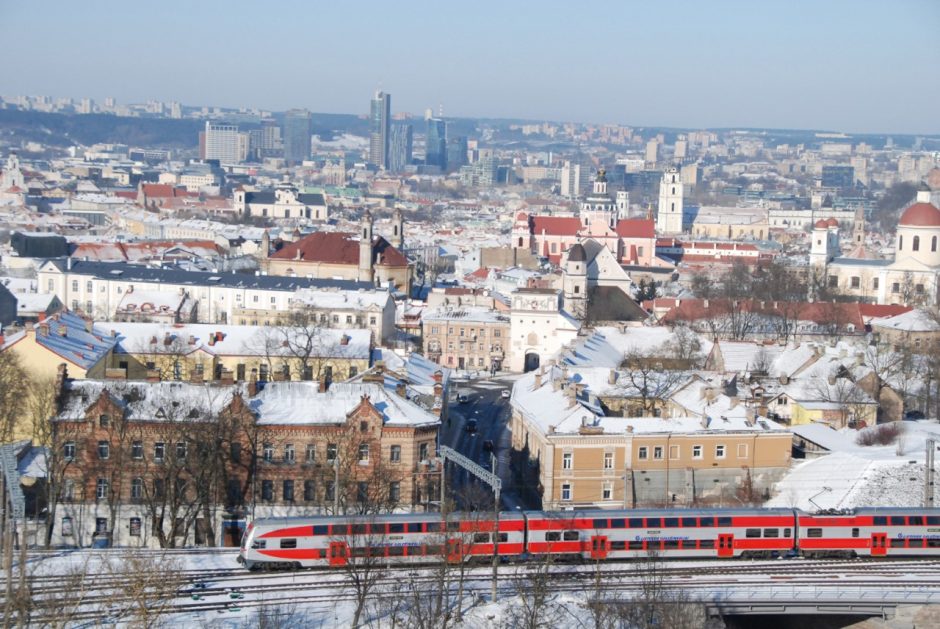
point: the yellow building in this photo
(67, 338)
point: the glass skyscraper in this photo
(296, 136)
(379, 118)
(435, 143)
(399, 150)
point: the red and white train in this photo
(595, 535)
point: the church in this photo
(912, 277)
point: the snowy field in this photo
(861, 476)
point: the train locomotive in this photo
(334, 541)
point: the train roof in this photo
(382, 517)
(873, 511)
(655, 513)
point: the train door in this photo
(339, 553)
(879, 544)
(599, 547)
(726, 545)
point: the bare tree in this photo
(535, 606)
(650, 383)
(150, 583)
(365, 563)
(14, 394)
(43, 405)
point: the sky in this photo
(854, 66)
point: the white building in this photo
(539, 327)
(222, 142)
(669, 215)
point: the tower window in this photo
(673, 189)
(916, 245)
(577, 289)
(672, 207)
(900, 242)
(933, 243)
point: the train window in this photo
(377, 529)
(786, 532)
(570, 536)
(897, 520)
(433, 549)
(453, 526)
(688, 523)
(362, 551)
(707, 522)
(771, 532)
(600, 523)
(671, 522)
(259, 543)
(414, 527)
(320, 529)
(359, 529)
(706, 543)
(635, 523)
(481, 538)
(897, 543)
(854, 532)
(813, 532)
(880, 520)
(434, 527)
(917, 542)
(396, 551)
(340, 529)
(553, 536)
(916, 520)
(671, 544)
(654, 523)
(503, 538)
(618, 545)
(288, 543)
(752, 533)
(617, 523)
(397, 527)
(635, 545)
(933, 520)
(933, 542)
(724, 521)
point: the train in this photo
(596, 535)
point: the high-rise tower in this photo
(297, 131)
(669, 216)
(380, 115)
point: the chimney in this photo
(2, 340)
(401, 389)
(556, 384)
(438, 377)
(167, 341)
(344, 340)
(324, 385)
(629, 428)
(253, 388)
(784, 379)
(192, 339)
(750, 416)
(831, 379)
(538, 381)
(63, 331)
(42, 317)
(89, 324)
(68, 263)
(43, 329)
(612, 377)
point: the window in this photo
(101, 489)
(75, 285)
(180, 450)
(422, 451)
(66, 525)
(607, 491)
(915, 246)
(236, 452)
(814, 533)
(874, 284)
(933, 244)
(719, 452)
(567, 459)
(363, 426)
(742, 450)
(362, 491)
(68, 450)
(833, 281)
(363, 452)
(919, 289)
(311, 454)
(642, 452)
(855, 282)
(267, 452)
(288, 453)
(101, 526)
(330, 491)
(696, 452)
(896, 287)
(287, 490)
(394, 491)
(310, 490)
(608, 460)
(267, 490)
(289, 543)
(371, 320)
(658, 452)
(104, 450)
(900, 243)
(330, 452)
(771, 532)
(137, 489)
(566, 492)
(159, 450)
(394, 454)
(104, 421)
(137, 450)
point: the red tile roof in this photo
(556, 225)
(636, 228)
(339, 248)
(921, 215)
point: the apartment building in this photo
(466, 337)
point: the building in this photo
(400, 147)
(136, 476)
(466, 337)
(380, 113)
(669, 216)
(435, 143)
(456, 153)
(363, 257)
(284, 201)
(572, 454)
(838, 177)
(296, 136)
(224, 143)
(540, 327)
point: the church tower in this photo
(669, 216)
(398, 230)
(365, 248)
(598, 206)
(623, 204)
(574, 282)
(858, 230)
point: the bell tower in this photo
(398, 230)
(669, 215)
(365, 248)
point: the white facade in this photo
(669, 215)
(539, 328)
(222, 142)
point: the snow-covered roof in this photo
(468, 314)
(607, 346)
(911, 321)
(148, 401)
(342, 299)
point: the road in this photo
(491, 412)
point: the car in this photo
(505, 394)
(914, 415)
(488, 445)
(471, 426)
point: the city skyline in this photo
(727, 64)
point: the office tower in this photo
(400, 144)
(838, 177)
(379, 118)
(456, 153)
(222, 142)
(435, 143)
(652, 151)
(297, 131)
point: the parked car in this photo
(463, 395)
(505, 394)
(471, 426)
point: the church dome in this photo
(920, 215)
(822, 224)
(832, 222)
(577, 253)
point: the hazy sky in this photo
(851, 65)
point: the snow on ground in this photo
(861, 476)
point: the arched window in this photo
(900, 242)
(673, 189)
(520, 241)
(916, 245)
(933, 243)
(672, 207)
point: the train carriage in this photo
(870, 533)
(668, 533)
(395, 538)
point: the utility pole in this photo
(928, 477)
(336, 485)
(496, 489)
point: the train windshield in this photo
(246, 536)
